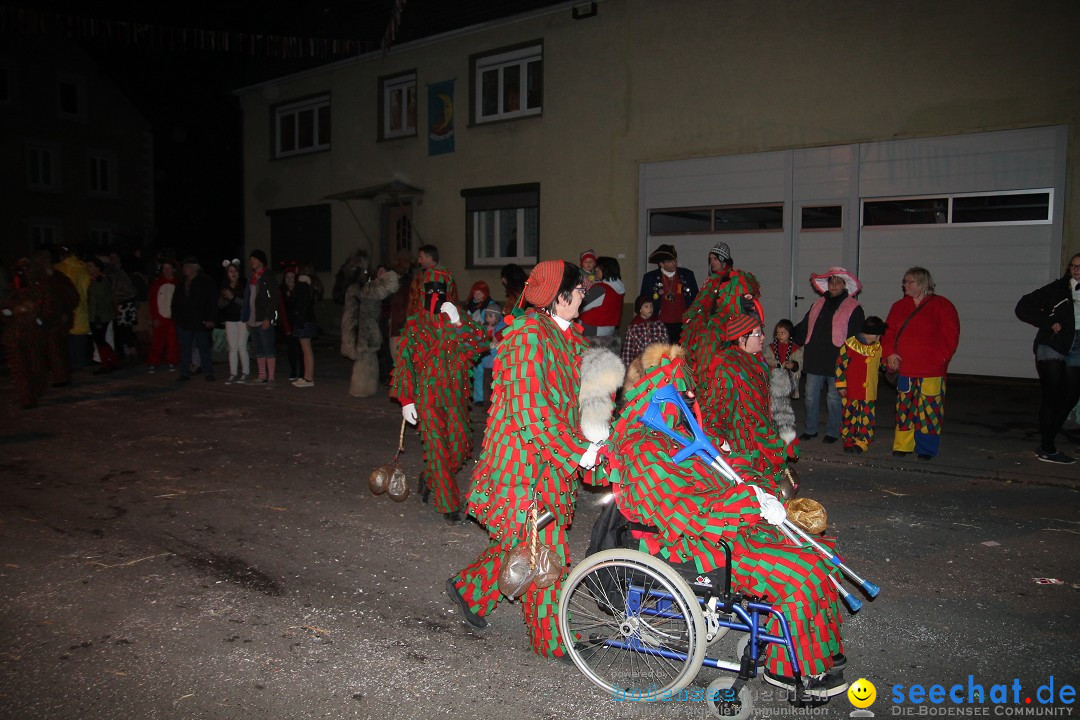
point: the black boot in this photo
(453, 518)
(422, 489)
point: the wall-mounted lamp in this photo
(584, 10)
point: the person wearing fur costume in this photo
(431, 380)
(720, 296)
(361, 336)
(857, 382)
(692, 508)
(536, 445)
(735, 397)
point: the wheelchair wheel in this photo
(725, 704)
(631, 624)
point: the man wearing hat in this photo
(194, 310)
(671, 288)
(431, 380)
(534, 450)
(831, 320)
(260, 312)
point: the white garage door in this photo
(983, 212)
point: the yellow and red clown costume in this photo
(692, 508)
(434, 371)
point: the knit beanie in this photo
(721, 251)
(259, 255)
(587, 254)
(543, 283)
(735, 326)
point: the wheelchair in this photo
(641, 628)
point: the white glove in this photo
(450, 310)
(771, 509)
(409, 413)
(588, 458)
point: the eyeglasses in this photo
(580, 289)
(756, 333)
(1074, 266)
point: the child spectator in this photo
(785, 360)
(857, 381)
(783, 353)
(644, 330)
(479, 297)
(164, 347)
(493, 325)
(588, 266)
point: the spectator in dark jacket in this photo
(671, 288)
(194, 309)
(1055, 310)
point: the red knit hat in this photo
(543, 283)
(587, 254)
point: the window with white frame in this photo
(507, 83)
(42, 167)
(302, 126)
(502, 224)
(44, 232)
(101, 168)
(1020, 207)
(397, 103)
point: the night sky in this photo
(186, 94)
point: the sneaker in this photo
(230, 380)
(470, 618)
(900, 453)
(302, 383)
(172, 368)
(808, 436)
(241, 379)
(817, 687)
(294, 378)
(829, 439)
(1057, 457)
(151, 370)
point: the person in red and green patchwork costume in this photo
(721, 295)
(534, 450)
(432, 381)
(693, 508)
(735, 392)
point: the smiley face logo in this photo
(862, 693)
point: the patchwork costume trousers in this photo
(920, 409)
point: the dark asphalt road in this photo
(213, 552)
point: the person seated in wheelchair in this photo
(693, 508)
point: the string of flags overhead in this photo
(165, 37)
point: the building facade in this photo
(875, 136)
(78, 156)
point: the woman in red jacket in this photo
(922, 335)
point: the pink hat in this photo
(820, 283)
(587, 254)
